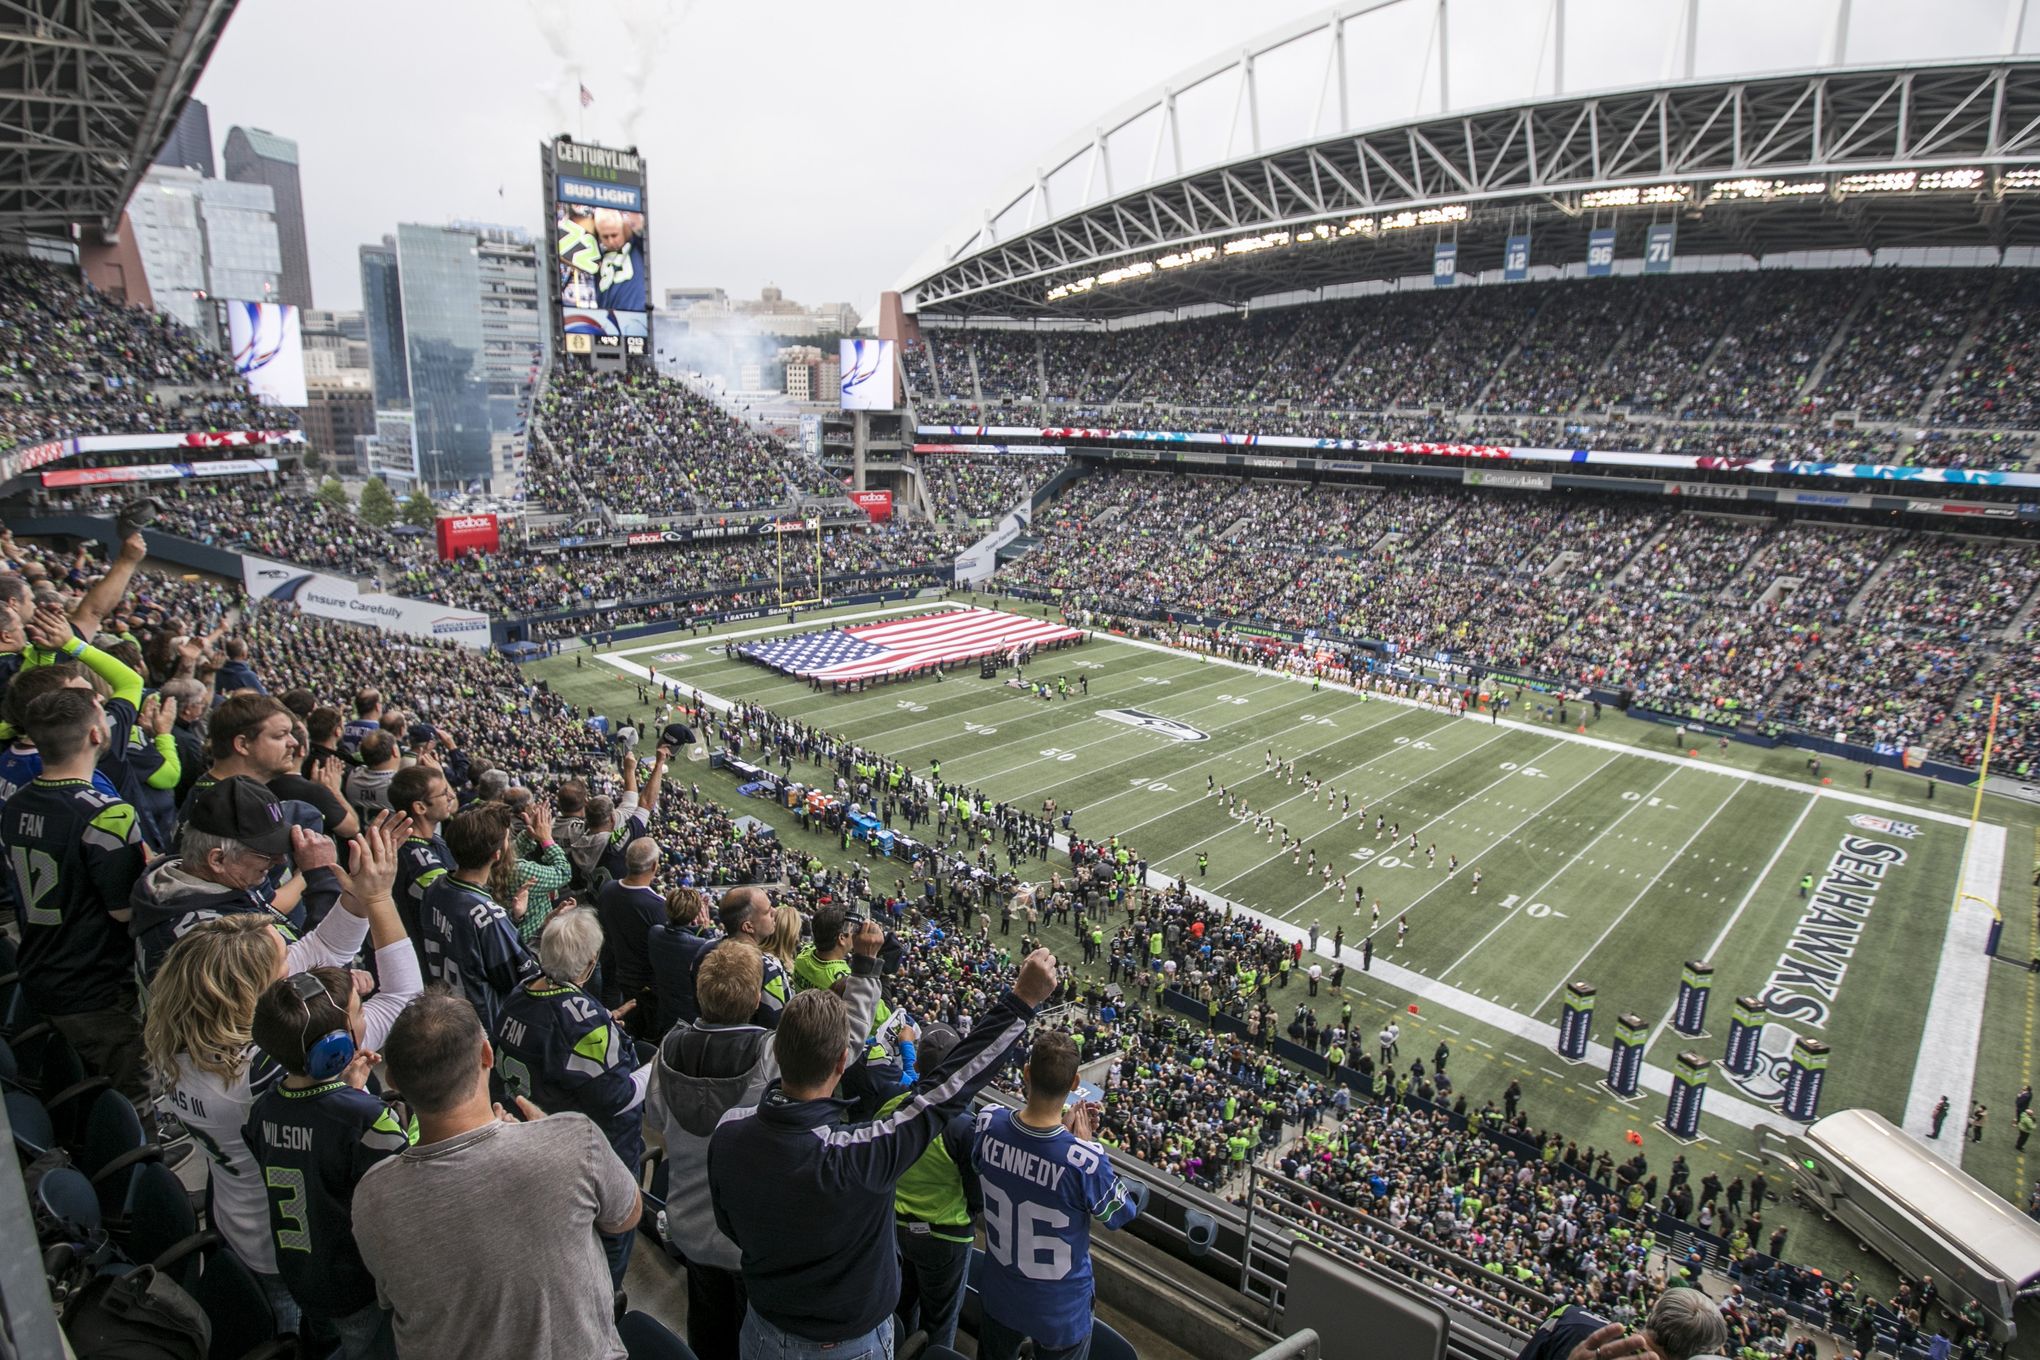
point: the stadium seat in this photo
(941, 1353)
(33, 1135)
(63, 1196)
(646, 1338)
(1107, 1344)
(243, 1326)
(114, 1146)
(10, 1070)
(972, 1312)
(1201, 1229)
(162, 1229)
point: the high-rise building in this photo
(205, 239)
(190, 145)
(257, 157)
(473, 337)
(382, 313)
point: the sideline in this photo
(1954, 1024)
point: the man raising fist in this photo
(832, 1276)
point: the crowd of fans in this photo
(1727, 619)
(642, 444)
(74, 361)
(971, 487)
(1744, 365)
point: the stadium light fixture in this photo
(1636, 197)
(1911, 181)
(2020, 181)
(1731, 190)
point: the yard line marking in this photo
(1602, 743)
(1381, 798)
(1641, 893)
(1740, 907)
(1449, 1030)
(1533, 894)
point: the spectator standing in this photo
(722, 1061)
(832, 1282)
(746, 914)
(466, 1192)
(630, 908)
(76, 854)
(1044, 1178)
(560, 1048)
(470, 944)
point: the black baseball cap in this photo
(243, 810)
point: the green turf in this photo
(1598, 864)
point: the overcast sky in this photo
(823, 147)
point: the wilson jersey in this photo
(1041, 1191)
(74, 854)
(557, 1047)
(313, 1146)
(471, 946)
(216, 1111)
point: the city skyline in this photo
(782, 150)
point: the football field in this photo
(1610, 856)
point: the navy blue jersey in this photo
(314, 1145)
(421, 862)
(557, 1047)
(74, 854)
(471, 946)
(1041, 1191)
(1561, 1334)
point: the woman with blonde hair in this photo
(201, 1012)
(784, 941)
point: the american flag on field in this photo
(888, 648)
(586, 98)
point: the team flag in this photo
(909, 644)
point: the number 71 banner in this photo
(1657, 248)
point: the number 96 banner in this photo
(1601, 253)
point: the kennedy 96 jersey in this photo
(1042, 1189)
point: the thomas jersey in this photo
(420, 864)
(557, 1047)
(1041, 1190)
(471, 946)
(314, 1146)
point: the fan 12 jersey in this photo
(1042, 1188)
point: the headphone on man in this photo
(327, 1056)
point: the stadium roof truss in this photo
(89, 92)
(1931, 155)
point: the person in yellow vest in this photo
(934, 1205)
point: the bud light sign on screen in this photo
(460, 535)
(877, 504)
(602, 251)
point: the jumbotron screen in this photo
(601, 253)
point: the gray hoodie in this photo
(705, 1071)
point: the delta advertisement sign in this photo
(877, 504)
(39, 455)
(332, 597)
(155, 472)
(459, 535)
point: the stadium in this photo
(1429, 681)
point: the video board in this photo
(601, 249)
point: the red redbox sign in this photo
(877, 504)
(460, 535)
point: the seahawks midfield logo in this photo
(1154, 722)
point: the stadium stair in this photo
(1960, 353)
(1835, 342)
